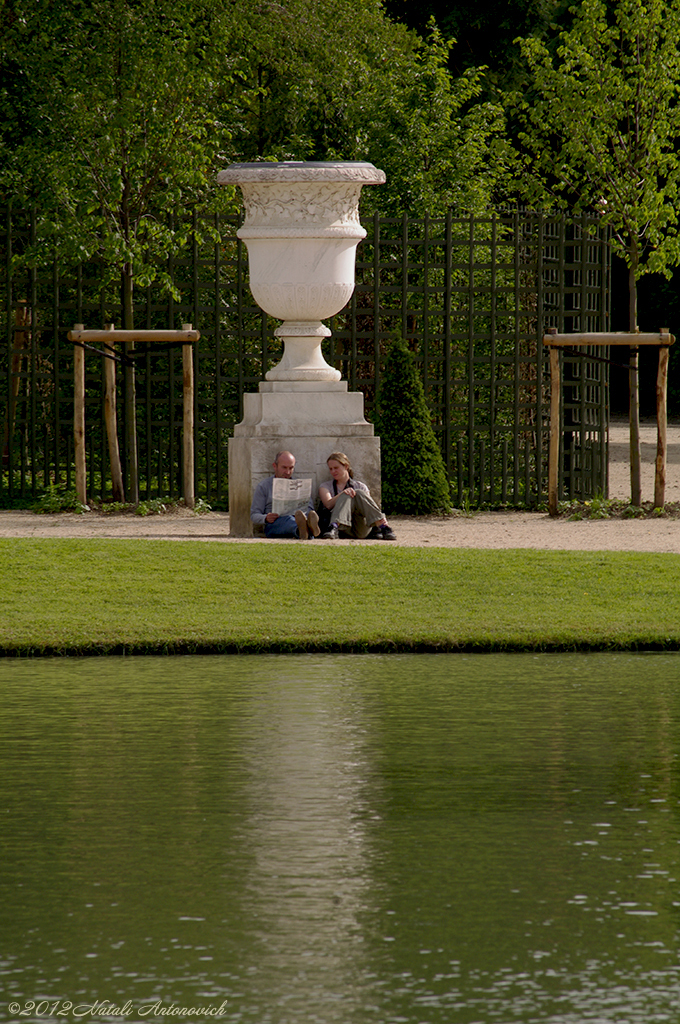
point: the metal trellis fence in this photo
(472, 295)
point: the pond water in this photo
(432, 839)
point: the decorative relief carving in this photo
(319, 204)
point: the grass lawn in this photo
(109, 596)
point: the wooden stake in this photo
(188, 422)
(554, 452)
(634, 419)
(131, 455)
(111, 420)
(79, 418)
(661, 421)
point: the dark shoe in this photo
(313, 524)
(332, 534)
(374, 534)
(301, 522)
(387, 533)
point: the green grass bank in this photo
(85, 597)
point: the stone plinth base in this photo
(310, 419)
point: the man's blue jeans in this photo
(284, 526)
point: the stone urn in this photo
(301, 230)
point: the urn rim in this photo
(283, 171)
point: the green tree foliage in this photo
(602, 126)
(440, 143)
(413, 473)
(109, 123)
(113, 113)
(304, 86)
(337, 80)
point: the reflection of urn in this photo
(301, 230)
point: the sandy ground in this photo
(483, 530)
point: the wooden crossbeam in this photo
(631, 339)
(186, 335)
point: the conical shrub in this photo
(413, 473)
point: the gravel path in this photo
(484, 530)
(619, 460)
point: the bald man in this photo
(304, 524)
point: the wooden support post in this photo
(661, 422)
(111, 419)
(188, 422)
(634, 420)
(131, 457)
(79, 418)
(109, 336)
(554, 451)
(663, 339)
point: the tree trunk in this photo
(633, 387)
(127, 284)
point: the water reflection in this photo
(421, 839)
(308, 771)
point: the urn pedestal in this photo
(301, 230)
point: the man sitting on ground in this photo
(304, 524)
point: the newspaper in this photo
(290, 495)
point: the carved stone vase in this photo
(301, 230)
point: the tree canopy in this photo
(602, 125)
(109, 122)
(114, 111)
(337, 79)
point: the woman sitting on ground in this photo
(348, 505)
